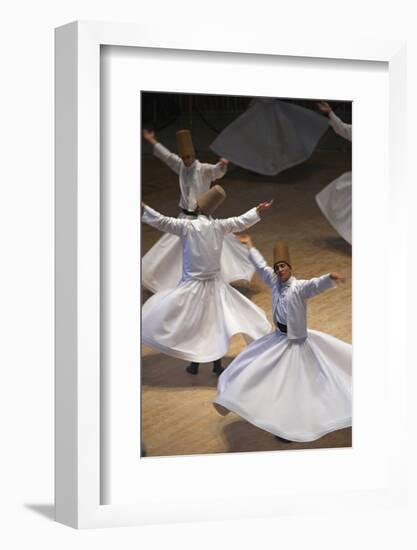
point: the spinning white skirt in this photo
(296, 390)
(335, 201)
(271, 136)
(162, 264)
(196, 320)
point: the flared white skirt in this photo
(162, 264)
(196, 320)
(335, 201)
(271, 136)
(298, 390)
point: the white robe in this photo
(335, 200)
(196, 319)
(162, 264)
(298, 388)
(271, 136)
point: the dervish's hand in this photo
(337, 277)
(149, 135)
(264, 206)
(223, 162)
(324, 107)
(245, 239)
(143, 204)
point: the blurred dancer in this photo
(335, 200)
(271, 136)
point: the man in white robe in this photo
(195, 177)
(289, 295)
(196, 319)
(294, 382)
(335, 200)
(162, 264)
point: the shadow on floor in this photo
(164, 371)
(241, 436)
(244, 287)
(335, 243)
(45, 510)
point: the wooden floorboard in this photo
(177, 414)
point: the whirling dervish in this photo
(195, 320)
(162, 264)
(294, 383)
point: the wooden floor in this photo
(177, 415)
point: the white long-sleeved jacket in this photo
(202, 239)
(193, 180)
(289, 299)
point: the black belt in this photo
(282, 328)
(188, 212)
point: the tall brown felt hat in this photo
(185, 145)
(209, 201)
(281, 253)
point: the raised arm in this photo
(317, 285)
(240, 223)
(170, 159)
(340, 127)
(163, 223)
(262, 268)
(213, 172)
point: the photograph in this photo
(246, 274)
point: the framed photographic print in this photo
(283, 150)
(137, 437)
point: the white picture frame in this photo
(78, 265)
